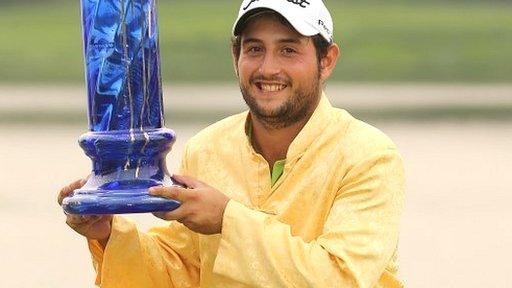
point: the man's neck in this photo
(273, 143)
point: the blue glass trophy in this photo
(126, 142)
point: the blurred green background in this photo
(391, 41)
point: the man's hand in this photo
(202, 207)
(96, 227)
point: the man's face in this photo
(278, 72)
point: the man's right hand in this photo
(96, 227)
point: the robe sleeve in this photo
(165, 256)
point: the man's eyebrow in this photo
(251, 40)
(290, 40)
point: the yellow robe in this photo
(331, 220)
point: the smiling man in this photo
(292, 193)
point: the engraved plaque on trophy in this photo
(127, 142)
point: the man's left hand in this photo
(202, 207)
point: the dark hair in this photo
(320, 43)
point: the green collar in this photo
(278, 168)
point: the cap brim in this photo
(299, 24)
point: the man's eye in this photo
(254, 49)
(288, 51)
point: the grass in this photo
(420, 41)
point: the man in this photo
(293, 193)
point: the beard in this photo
(294, 109)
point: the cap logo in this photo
(301, 3)
(250, 3)
(322, 24)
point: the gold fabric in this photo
(330, 220)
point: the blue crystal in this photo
(126, 142)
(112, 75)
(123, 67)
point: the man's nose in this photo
(270, 65)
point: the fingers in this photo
(68, 190)
(188, 181)
(75, 220)
(175, 193)
(178, 214)
(91, 226)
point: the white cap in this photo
(308, 17)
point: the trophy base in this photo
(126, 163)
(86, 202)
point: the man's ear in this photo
(328, 63)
